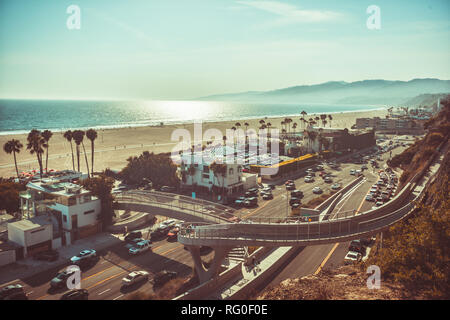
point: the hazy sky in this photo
(179, 49)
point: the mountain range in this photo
(369, 92)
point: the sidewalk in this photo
(28, 267)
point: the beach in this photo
(114, 146)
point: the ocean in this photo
(20, 116)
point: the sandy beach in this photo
(114, 146)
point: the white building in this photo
(197, 175)
(73, 211)
(33, 235)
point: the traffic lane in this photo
(114, 262)
(305, 263)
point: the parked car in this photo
(352, 172)
(290, 187)
(294, 200)
(172, 235)
(369, 197)
(140, 247)
(356, 245)
(317, 190)
(297, 194)
(336, 186)
(12, 289)
(76, 294)
(50, 255)
(351, 257)
(133, 243)
(135, 277)
(251, 202)
(309, 179)
(85, 254)
(379, 203)
(289, 182)
(133, 235)
(169, 222)
(163, 276)
(60, 281)
(328, 180)
(267, 196)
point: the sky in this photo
(178, 49)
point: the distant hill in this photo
(369, 92)
(423, 100)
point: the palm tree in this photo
(323, 118)
(36, 144)
(78, 136)
(69, 136)
(246, 126)
(294, 126)
(47, 134)
(13, 146)
(330, 118)
(312, 136)
(219, 169)
(303, 113)
(91, 134)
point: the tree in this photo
(69, 136)
(330, 117)
(219, 169)
(78, 136)
(13, 146)
(9, 196)
(36, 144)
(46, 134)
(91, 134)
(101, 187)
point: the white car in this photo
(140, 247)
(317, 190)
(134, 277)
(85, 254)
(352, 172)
(168, 223)
(352, 256)
(309, 179)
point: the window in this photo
(230, 171)
(205, 169)
(64, 218)
(90, 211)
(38, 230)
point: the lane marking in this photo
(118, 297)
(326, 259)
(104, 292)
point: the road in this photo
(103, 280)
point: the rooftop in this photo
(31, 224)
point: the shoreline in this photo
(114, 146)
(177, 123)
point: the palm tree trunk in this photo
(46, 161)
(78, 157)
(73, 160)
(39, 158)
(15, 163)
(92, 156)
(85, 157)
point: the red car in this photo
(289, 182)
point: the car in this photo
(163, 276)
(328, 180)
(352, 172)
(253, 191)
(10, 290)
(133, 235)
(132, 243)
(76, 294)
(50, 255)
(363, 167)
(289, 182)
(267, 196)
(60, 281)
(351, 257)
(85, 254)
(294, 200)
(251, 202)
(290, 187)
(356, 245)
(379, 203)
(317, 190)
(239, 203)
(369, 198)
(336, 186)
(172, 235)
(135, 277)
(168, 189)
(297, 194)
(309, 179)
(140, 247)
(171, 222)
(266, 190)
